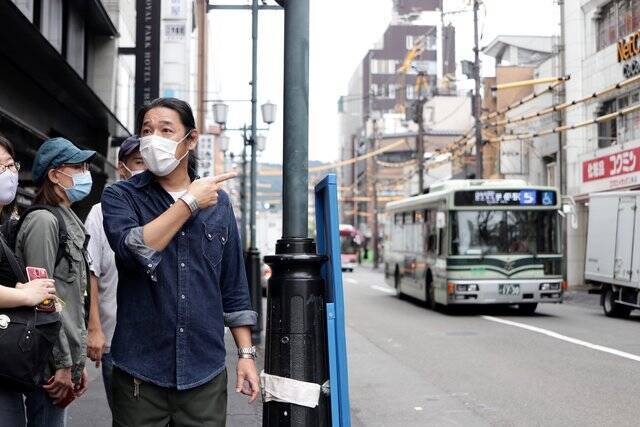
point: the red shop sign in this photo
(616, 164)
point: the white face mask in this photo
(159, 153)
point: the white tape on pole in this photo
(287, 390)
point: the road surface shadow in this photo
(478, 310)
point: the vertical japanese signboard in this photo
(147, 51)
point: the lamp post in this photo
(256, 143)
(223, 142)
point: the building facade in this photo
(58, 67)
(601, 51)
(376, 90)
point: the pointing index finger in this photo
(224, 177)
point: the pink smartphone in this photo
(48, 305)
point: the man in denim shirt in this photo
(181, 280)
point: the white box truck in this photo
(613, 250)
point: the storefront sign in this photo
(613, 165)
(147, 86)
(628, 51)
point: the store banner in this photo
(613, 165)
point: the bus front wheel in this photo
(431, 295)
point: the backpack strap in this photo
(13, 261)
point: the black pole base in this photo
(296, 343)
(254, 277)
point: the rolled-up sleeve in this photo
(235, 290)
(124, 232)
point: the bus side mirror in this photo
(441, 220)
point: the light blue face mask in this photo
(81, 188)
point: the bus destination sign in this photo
(505, 198)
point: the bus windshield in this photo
(504, 232)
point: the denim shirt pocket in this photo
(214, 240)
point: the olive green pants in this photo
(141, 404)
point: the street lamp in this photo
(261, 142)
(223, 141)
(269, 112)
(220, 111)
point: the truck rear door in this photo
(624, 238)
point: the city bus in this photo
(476, 242)
(350, 241)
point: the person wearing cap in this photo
(104, 274)
(61, 173)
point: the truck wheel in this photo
(611, 308)
(528, 309)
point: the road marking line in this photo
(383, 289)
(350, 280)
(571, 340)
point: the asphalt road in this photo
(567, 365)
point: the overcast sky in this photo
(341, 32)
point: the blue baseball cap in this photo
(55, 152)
(129, 145)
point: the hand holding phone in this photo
(33, 273)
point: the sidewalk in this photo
(92, 410)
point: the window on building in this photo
(550, 172)
(75, 40)
(409, 41)
(624, 128)
(383, 66)
(618, 19)
(51, 14)
(411, 92)
(430, 42)
(607, 131)
(26, 7)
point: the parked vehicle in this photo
(476, 242)
(613, 250)
(350, 241)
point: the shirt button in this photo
(223, 240)
(182, 296)
(149, 265)
(209, 236)
(182, 233)
(181, 330)
(182, 264)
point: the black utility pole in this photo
(477, 99)
(243, 192)
(296, 331)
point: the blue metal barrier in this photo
(328, 243)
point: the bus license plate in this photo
(509, 289)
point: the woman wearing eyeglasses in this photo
(12, 293)
(61, 172)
